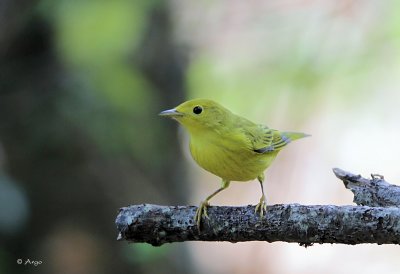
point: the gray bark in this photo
(303, 224)
(371, 192)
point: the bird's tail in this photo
(295, 135)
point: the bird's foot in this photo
(261, 207)
(201, 211)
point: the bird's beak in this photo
(171, 113)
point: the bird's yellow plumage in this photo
(229, 146)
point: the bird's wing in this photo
(269, 140)
(258, 138)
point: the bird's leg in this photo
(262, 205)
(202, 209)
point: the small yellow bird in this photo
(229, 146)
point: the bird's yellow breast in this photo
(229, 160)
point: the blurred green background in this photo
(81, 83)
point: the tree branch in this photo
(303, 224)
(371, 192)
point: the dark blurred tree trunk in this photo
(14, 15)
(28, 88)
(49, 156)
(164, 64)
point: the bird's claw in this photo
(201, 211)
(261, 207)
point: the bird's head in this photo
(198, 114)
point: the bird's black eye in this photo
(197, 109)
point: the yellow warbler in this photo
(229, 146)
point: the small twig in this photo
(375, 176)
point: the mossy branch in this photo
(373, 222)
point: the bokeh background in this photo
(81, 83)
